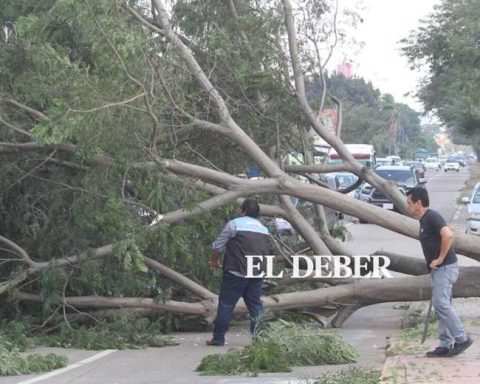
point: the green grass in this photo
(279, 347)
(415, 333)
(351, 375)
(408, 340)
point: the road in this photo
(366, 329)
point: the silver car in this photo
(473, 212)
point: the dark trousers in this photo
(232, 289)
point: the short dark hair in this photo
(421, 194)
(250, 207)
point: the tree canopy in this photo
(446, 47)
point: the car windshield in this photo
(476, 198)
(452, 160)
(345, 180)
(400, 176)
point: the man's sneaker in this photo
(458, 348)
(214, 343)
(439, 352)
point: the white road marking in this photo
(69, 367)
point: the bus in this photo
(363, 153)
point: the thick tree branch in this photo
(37, 114)
(19, 251)
(14, 128)
(178, 278)
(200, 309)
(359, 292)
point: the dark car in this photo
(406, 177)
(419, 166)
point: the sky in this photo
(385, 23)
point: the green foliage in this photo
(278, 347)
(51, 283)
(446, 44)
(14, 333)
(12, 342)
(340, 232)
(367, 114)
(12, 363)
(13, 336)
(122, 333)
(351, 375)
(130, 256)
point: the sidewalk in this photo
(411, 365)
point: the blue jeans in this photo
(450, 327)
(234, 287)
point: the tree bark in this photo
(359, 293)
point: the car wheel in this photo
(458, 170)
(445, 170)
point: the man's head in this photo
(250, 208)
(417, 202)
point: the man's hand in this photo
(214, 260)
(214, 263)
(435, 263)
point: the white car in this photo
(396, 160)
(473, 209)
(432, 163)
(283, 227)
(451, 165)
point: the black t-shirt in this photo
(430, 225)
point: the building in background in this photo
(345, 68)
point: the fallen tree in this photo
(159, 94)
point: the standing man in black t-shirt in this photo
(436, 240)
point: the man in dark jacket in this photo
(436, 240)
(243, 236)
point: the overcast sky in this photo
(385, 23)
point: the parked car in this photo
(473, 212)
(406, 177)
(344, 180)
(459, 159)
(433, 163)
(451, 165)
(396, 160)
(419, 166)
(283, 227)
